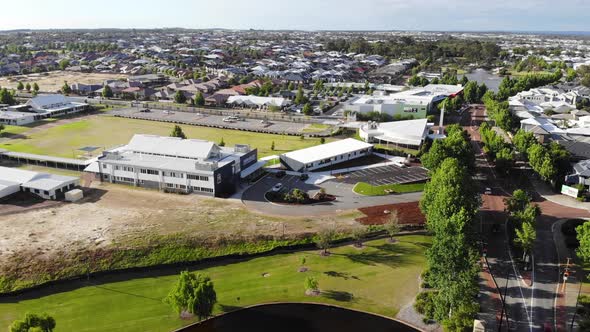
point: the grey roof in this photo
(580, 150)
(583, 168)
(172, 146)
(162, 163)
(49, 182)
(38, 157)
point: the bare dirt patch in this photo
(408, 213)
(117, 214)
(53, 81)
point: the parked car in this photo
(488, 191)
(145, 110)
(303, 177)
(277, 187)
(280, 174)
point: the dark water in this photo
(492, 81)
(298, 318)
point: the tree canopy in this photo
(193, 293)
(33, 322)
(177, 132)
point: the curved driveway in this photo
(346, 199)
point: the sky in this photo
(439, 15)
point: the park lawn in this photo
(12, 130)
(380, 278)
(107, 132)
(364, 188)
(315, 128)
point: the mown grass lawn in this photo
(367, 189)
(12, 130)
(315, 127)
(106, 132)
(379, 278)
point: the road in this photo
(530, 295)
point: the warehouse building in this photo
(325, 155)
(44, 185)
(178, 165)
(408, 134)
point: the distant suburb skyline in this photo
(439, 15)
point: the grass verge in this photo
(380, 278)
(366, 189)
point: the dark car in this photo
(280, 174)
(303, 177)
(145, 110)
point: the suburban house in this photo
(44, 185)
(177, 165)
(324, 155)
(581, 174)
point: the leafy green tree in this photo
(35, 87)
(193, 293)
(272, 146)
(322, 140)
(28, 87)
(64, 63)
(464, 80)
(107, 92)
(358, 235)
(6, 97)
(199, 99)
(456, 145)
(481, 91)
(33, 322)
(583, 235)
(299, 96)
(523, 141)
(324, 239)
(414, 80)
(307, 109)
(20, 86)
(177, 132)
(311, 284)
(525, 237)
(470, 92)
(66, 89)
(222, 142)
(517, 202)
(179, 97)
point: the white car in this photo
(277, 187)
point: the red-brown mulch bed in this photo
(408, 213)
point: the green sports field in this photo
(107, 131)
(379, 278)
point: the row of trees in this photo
(496, 148)
(522, 215)
(20, 87)
(450, 203)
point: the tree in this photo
(6, 97)
(525, 238)
(470, 92)
(35, 87)
(193, 293)
(64, 63)
(457, 145)
(33, 322)
(177, 132)
(272, 146)
(311, 284)
(20, 86)
(358, 235)
(583, 235)
(222, 142)
(28, 87)
(299, 96)
(481, 91)
(107, 92)
(322, 140)
(307, 109)
(199, 99)
(523, 141)
(517, 202)
(179, 97)
(66, 89)
(324, 239)
(392, 226)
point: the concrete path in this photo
(545, 191)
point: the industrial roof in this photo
(35, 180)
(329, 150)
(410, 132)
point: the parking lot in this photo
(346, 199)
(217, 121)
(384, 175)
